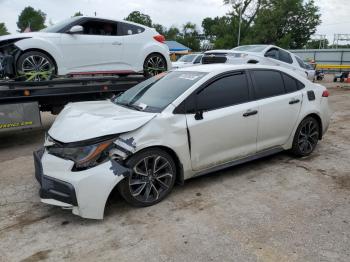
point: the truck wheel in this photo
(154, 64)
(36, 66)
(151, 180)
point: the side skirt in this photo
(236, 162)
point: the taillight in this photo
(325, 93)
(159, 38)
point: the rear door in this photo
(225, 126)
(279, 102)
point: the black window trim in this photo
(181, 108)
(275, 70)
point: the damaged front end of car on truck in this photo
(78, 179)
(9, 54)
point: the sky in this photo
(335, 14)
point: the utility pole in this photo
(239, 26)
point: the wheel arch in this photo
(179, 168)
(158, 53)
(38, 50)
(319, 121)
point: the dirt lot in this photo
(275, 209)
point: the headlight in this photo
(85, 156)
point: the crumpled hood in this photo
(87, 120)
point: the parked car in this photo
(257, 54)
(173, 127)
(86, 45)
(188, 60)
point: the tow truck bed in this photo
(21, 102)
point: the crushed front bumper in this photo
(6, 66)
(85, 192)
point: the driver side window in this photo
(94, 27)
(224, 92)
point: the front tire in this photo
(151, 180)
(306, 137)
(154, 64)
(36, 66)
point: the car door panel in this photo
(278, 109)
(224, 131)
(222, 135)
(91, 51)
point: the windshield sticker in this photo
(190, 76)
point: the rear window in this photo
(129, 29)
(290, 84)
(267, 83)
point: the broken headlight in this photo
(84, 156)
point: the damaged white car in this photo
(173, 127)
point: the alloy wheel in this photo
(308, 137)
(151, 179)
(37, 68)
(154, 65)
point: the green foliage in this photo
(78, 14)
(31, 17)
(286, 23)
(3, 29)
(159, 28)
(140, 18)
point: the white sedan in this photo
(84, 45)
(257, 54)
(175, 126)
(187, 61)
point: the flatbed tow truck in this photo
(21, 102)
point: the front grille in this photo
(215, 58)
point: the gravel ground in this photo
(275, 209)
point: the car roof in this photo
(215, 69)
(113, 19)
(212, 68)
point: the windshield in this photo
(60, 25)
(187, 58)
(250, 48)
(156, 93)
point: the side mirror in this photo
(198, 115)
(77, 29)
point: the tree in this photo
(173, 33)
(78, 14)
(3, 29)
(159, 28)
(35, 19)
(140, 18)
(189, 36)
(286, 23)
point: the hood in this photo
(87, 120)
(27, 35)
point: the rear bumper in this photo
(85, 192)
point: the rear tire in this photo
(36, 66)
(306, 137)
(152, 178)
(154, 64)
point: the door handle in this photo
(250, 113)
(294, 101)
(116, 43)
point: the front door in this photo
(225, 125)
(98, 48)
